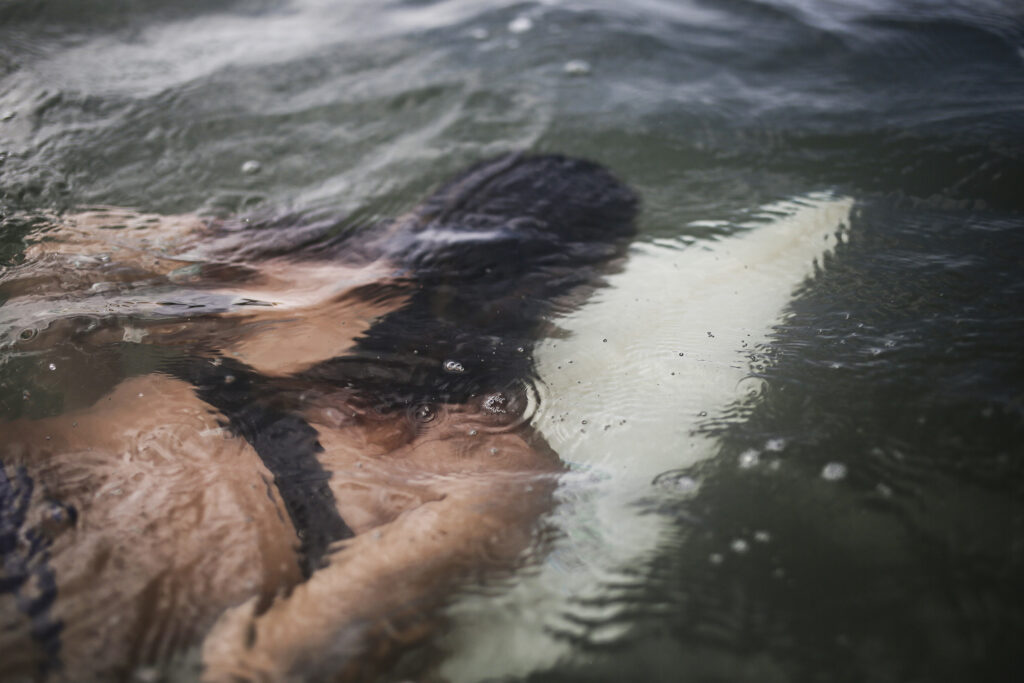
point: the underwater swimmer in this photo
(335, 433)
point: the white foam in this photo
(711, 300)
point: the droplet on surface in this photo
(749, 458)
(834, 471)
(576, 67)
(520, 25)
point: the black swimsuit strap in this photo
(285, 442)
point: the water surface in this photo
(860, 516)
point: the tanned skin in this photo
(335, 435)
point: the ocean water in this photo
(826, 485)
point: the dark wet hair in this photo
(490, 252)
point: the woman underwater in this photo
(330, 432)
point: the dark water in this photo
(888, 542)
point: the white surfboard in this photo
(662, 349)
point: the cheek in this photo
(387, 436)
(358, 436)
(465, 446)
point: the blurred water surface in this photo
(863, 518)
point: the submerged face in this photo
(352, 410)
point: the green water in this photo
(900, 359)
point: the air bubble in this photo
(146, 675)
(251, 167)
(454, 367)
(834, 471)
(424, 413)
(686, 484)
(739, 546)
(27, 333)
(496, 403)
(576, 67)
(520, 25)
(52, 366)
(775, 445)
(749, 458)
